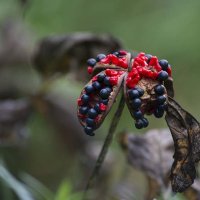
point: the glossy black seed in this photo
(161, 99)
(91, 62)
(96, 85)
(89, 89)
(140, 90)
(106, 81)
(159, 89)
(90, 122)
(136, 103)
(92, 113)
(101, 77)
(97, 108)
(85, 98)
(160, 108)
(164, 106)
(116, 53)
(149, 56)
(145, 122)
(104, 93)
(164, 64)
(139, 124)
(104, 101)
(162, 76)
(158, 113)
(89, 131)
(100, 56)
(133, 94)
(83, 110)
(109, 89)
(137, 114)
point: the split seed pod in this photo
(142, 78)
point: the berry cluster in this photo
(135, 104)
(143, 77)
(115, 59)
(95, 97)
(160, 101)
(147, 66)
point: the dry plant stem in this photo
(106, 145)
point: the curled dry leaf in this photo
(151, 153)
(68, 53)
(185, 131)
(13, 117)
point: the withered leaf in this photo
(184, 129)
(69, 53)
(169, 87)
(151, 152)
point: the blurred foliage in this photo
(168, 29)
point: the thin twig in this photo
(105, 147)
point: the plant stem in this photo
(105, 147)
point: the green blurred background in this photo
(169, 29)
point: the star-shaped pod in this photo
(146, 82)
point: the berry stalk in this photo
(105, 147)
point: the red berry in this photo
(79, 102)
(102, 107)
(114, 80)
(90, 70)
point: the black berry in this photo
(101, 77)
(137, 114)
(162, 76)
(106, 81)
(90, 122)
(149, 56)
(159, 89)
(89, 131)
(116, 53)
(99, 57)
(140, 90)
(91, 62)
(164, 64)
(92, 113)
(139, 124)
(104, 101)
(83, 110)
(145, 122)
(104, 93)
(158, 113)
(85, 98)
(89, 89)
(133, 94)
(97, 108)
(161, 99)
(96, 85)
(136, 103)
(109, 89)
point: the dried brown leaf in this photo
(151, 152)
(69, 53)
(185, 132)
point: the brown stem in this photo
(105, 147)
